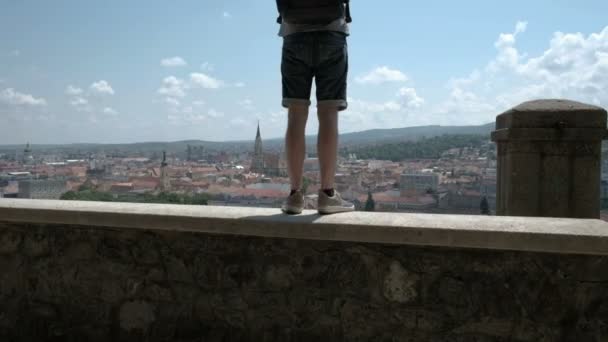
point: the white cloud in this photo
(363, 114)
(508, 56)
(410, 98)
(381, 75)
(79, 101)
(247, 104)
(464, 107)
(226, 15)
(81, 104)
(195, 118)
(72, 90)
(198, 103)
(373, 107)
(206, 66)
(573, 66)
(238, 122)
(173, 87)
(186, 118)
(175, 61)
(12, 97)
(521, 27)
(102, 87)
(212, 113)
(239, 84)
(205, 81)
(172, 101)
(110, 111)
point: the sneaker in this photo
(333, 205)
(294, 204)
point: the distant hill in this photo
(375, 136)
(362, 138)
(411, 133)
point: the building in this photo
(196, 153)
(42, 189)
(419, 182)
(488, 186)
(257, 164)
(311, 165)
(604, 194)
(165, 182)
(28, 158)
(95, 170)
(275, 165)
(270, 164)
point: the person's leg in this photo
(331, 74)
(327, 144)
(297, 75)
(296, 143)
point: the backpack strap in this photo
(348, 18)
(280, 8)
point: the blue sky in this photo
(125, 71)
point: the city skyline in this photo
(68, 76)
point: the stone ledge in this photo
(552, 235)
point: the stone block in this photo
(9, 241)
(551, 114)
(549, 154)
(137, 315)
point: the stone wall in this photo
(84, 283)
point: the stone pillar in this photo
(549, 159)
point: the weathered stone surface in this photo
(550, 113)
(549, 154)
(36, 245)
(202, 287)
(9, 242)
(399, 285)
(137, 315)
(532, 234)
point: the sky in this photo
(129, 71)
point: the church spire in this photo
(257, 164)
(164, 162)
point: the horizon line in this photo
(218, 141)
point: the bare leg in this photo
(296, 144)
(327, 145)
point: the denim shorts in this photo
(322, 55)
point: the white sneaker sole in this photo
(289, 210)
(335, 210)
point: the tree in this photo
(370, 204)
(484, 206)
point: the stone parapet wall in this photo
(98, 282)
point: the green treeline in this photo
(426, 148)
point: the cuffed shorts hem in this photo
(300, 102)
(340, 104)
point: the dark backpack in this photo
(320, 12)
